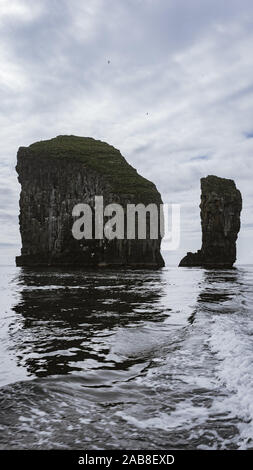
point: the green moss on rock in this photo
(102, 158)
(216, 184)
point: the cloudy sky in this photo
(168, 82)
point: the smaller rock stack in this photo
(221, 205)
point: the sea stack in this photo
(221, 205)
(56, 175)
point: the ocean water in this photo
(126, 359)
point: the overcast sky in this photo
(168, 82)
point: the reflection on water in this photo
(216, 294)
(68, 319)
(126, 359)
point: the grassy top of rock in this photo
(218, 185)
(100, 157)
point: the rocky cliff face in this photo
(221, 205)
(57, 174)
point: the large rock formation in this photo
(57, 174)
(221, 205)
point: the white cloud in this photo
(86, 19)
(26, 10)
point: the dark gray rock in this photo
(57, 174)
(221, 205)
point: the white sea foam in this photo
(232, 341)
(182, 417)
